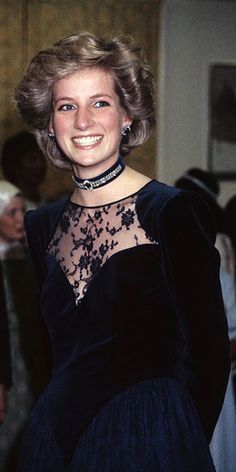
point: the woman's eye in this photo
(66, 107)
(101, 103)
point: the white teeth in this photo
(87, 140)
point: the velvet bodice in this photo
(149, 310)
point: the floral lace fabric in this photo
(86, 237)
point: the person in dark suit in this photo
(23, 368)
(5, 364)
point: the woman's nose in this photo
(83, 119)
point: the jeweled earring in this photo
(51, 136)
(125, 130)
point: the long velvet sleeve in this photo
(191, 266)
(34, 245)
(39, 226)
(33, 227)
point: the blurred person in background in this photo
(230, 212)
(24, 165)
(23, 369)
(206, 185)
(5, 366)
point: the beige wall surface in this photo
(26, 26)
(194, 34)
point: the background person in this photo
(22, 360)
(230, 212)
(23, 165)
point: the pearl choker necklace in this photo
(102, 179)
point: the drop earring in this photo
(125, 130)
(51, 136)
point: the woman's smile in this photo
(87, 141)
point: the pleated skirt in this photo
(151, 426)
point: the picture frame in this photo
(222, 121)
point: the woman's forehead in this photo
(87, 79)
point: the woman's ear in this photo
(127, 121)
(50, 126)
(51, 134)
(126, 128)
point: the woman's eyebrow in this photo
(97, 95)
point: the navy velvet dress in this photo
(131, 296)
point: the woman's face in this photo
(87, 120)
(11, 220)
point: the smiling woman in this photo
(136, 385)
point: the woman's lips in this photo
(87, 141)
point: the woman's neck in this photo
(130, 181)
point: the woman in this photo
(136, 385)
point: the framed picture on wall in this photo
(222, 121)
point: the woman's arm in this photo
(33, 228)
(191, 266)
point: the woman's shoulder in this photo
(48, 210)
(158, 192)
(157, 196)
(162, 205)
(39, 223)
(153, 197)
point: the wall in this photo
(194, 34)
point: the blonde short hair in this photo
(121, 57)
(7, 192)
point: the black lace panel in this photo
(86, 237)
